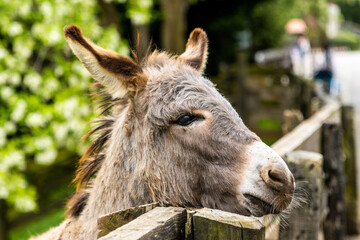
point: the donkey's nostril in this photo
(277, 178)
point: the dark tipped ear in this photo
(117, 73)
(196, 51)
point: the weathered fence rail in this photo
(307, 135)
(314, 153)
(178, 223)
(319, 139)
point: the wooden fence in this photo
(154, 222)
(315, 155)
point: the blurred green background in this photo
(45, 106)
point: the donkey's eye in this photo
(186, 119)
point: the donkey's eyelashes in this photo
(187, 119)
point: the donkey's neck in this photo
(118, 184)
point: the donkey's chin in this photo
(259, 207)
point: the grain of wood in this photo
(351, 189)
(333, 166)
(161, 223)
(189, 225)
(214, 224)
(305, 222)
(110, 222)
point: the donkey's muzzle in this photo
(278, 179)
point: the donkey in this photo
(168, 136)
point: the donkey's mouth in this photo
(260, 207)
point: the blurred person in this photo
(325, 76)
(301, 57)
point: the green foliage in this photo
(139, 11)
(350, 10)
(44, 102)
(270, 17)
(49, 220)
(317, 12)
(269, 124)
(347, 39)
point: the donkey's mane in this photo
(91, 161)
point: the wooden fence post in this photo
(110, 222)
(334, 224)
(161, 223)
(211, 224)
(305, 222)
(351, 191)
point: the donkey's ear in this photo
(196, 51)
(117, 73)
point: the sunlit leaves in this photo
(139, 11)
(44, 102)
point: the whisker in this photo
(300, 198)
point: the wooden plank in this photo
(351, 188)
(305, 222)
(110, 222)
(306, 131)
(252, 229)
(161, 223)
(211, 224)
(189, 225)
(334, 224)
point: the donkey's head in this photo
(179, 140)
